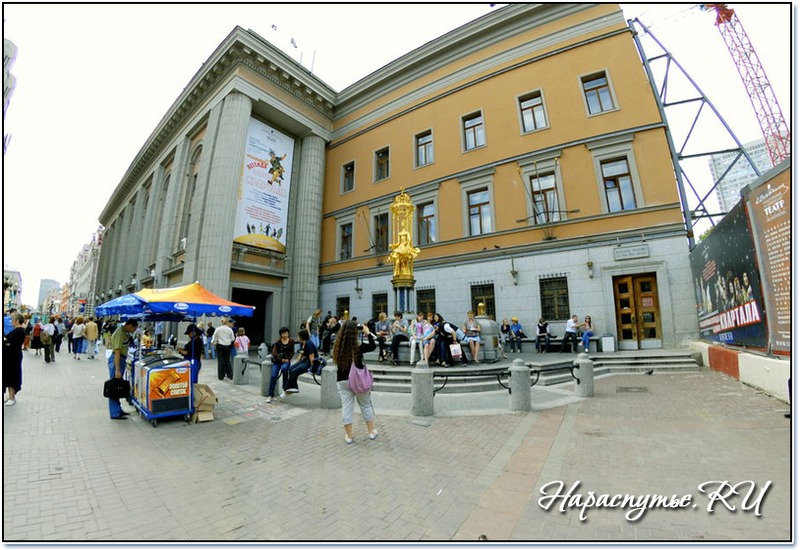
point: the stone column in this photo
(422, 392)
(584, 385)
(520, 384)
(213, 266)
(167, 228)
(307, 229)
(329, 392)
(147, 245)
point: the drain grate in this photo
(632, 389)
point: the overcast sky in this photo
(94, 80)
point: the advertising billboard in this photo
(730, 305)
(263, 196)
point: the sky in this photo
(94, 80)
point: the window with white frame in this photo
(382, 164)
(426, 223)
(543, 193)
(473, 131)
(618, 182)
(598, 93)
(478, 208)
(618, 185)
(346, 241)
(423, 148)
(381, 225)
(348, 177)
(531, 110)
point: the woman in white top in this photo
(78, 331)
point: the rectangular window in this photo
(532, 110)
(426, 223)
(480, 216)
(545, 199)
(346, 241)
(555, 298)
(473, 131)
(598, 93)
(483, 294)
(380, 302)
(424, 148)
(348, 177)
(381, 233)
(382, 164)
(426, 300)
(342, 305)
(618, 185)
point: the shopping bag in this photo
(360, 380)
(116, 388)
(455, 351)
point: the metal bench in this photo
(469, 372)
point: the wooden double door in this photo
(637, 311)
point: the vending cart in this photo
(162, 387)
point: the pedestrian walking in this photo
(12, 359)
(349, 353)
(223, 340)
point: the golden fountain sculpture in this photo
(403, 250)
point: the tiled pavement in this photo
(281, 471)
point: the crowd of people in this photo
(437, 341)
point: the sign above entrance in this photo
(630, 252)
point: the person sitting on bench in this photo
(542, 334)
(571, 334)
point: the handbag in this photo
(455, 350)
(116, 388)
(359, 380)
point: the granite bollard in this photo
(520, 384)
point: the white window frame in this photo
(611, 91)
(542, 165)
(519, 100)
(474, 182)
(388, 150)
(424, 198)
(433, 148)
(462, 129)
(610, 149)
(340, 223)
(342, 190)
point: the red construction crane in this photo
(765, 104)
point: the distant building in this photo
(740, 175)
(47, 290)
(82, 299)
(9, 82)
(12, 289)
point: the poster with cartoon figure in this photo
(263, 195)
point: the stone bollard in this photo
(240, 370)
(422, 392)
(520, 384)
(266, 372)
(329, 397)
(584, 385)
(263, 352)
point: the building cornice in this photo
(241, 49)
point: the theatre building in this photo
(529, 141)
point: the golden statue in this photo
(403, 250)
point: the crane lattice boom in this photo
(768, 112)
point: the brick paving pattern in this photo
(281, 471)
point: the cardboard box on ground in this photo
(204, 401)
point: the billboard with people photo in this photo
(730, 305)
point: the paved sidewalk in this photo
(282, 472)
